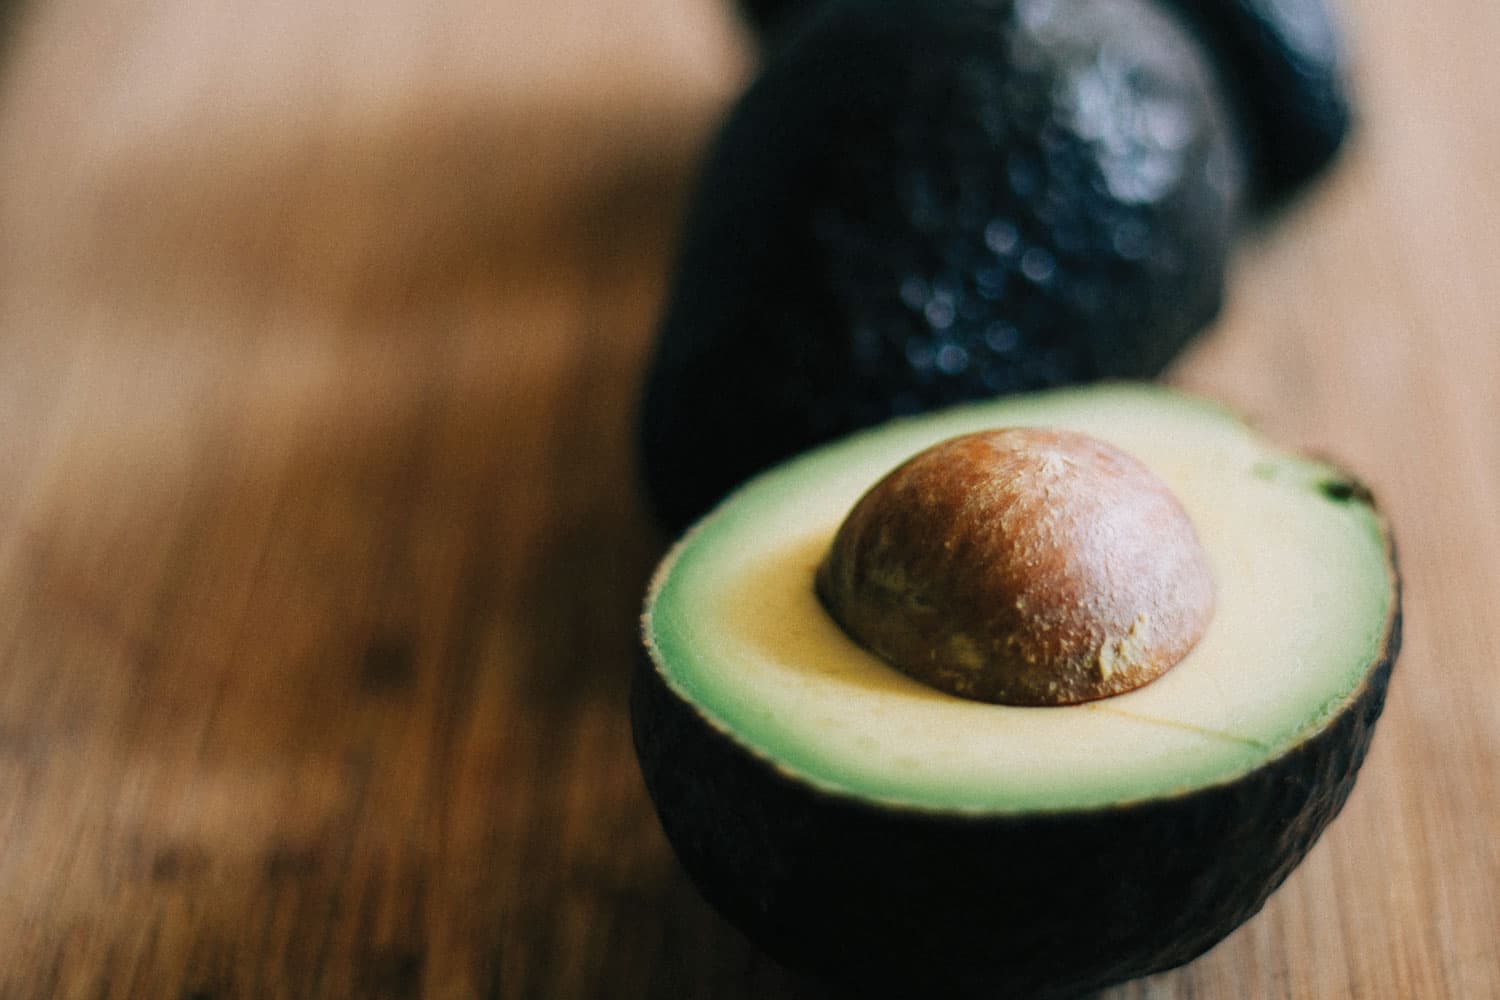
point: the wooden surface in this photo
(320, 544)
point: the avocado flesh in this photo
(1305, 599)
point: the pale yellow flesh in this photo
(1303, 595)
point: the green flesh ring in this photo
(1306, 596)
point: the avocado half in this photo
(896, 840)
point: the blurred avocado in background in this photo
(919, 203)
(1281, 61)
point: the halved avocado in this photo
(899, 840)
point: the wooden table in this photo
(320, 538)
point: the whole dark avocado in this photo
(1280, 60)
(925, 201)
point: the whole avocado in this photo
(1280, 60)
(925, 201)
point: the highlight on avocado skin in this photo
(1282, 64)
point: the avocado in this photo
(896, 839)
(920, 202)
(1282, 62)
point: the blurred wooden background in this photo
(321, 546)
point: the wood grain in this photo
(321, 545)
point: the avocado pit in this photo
(1023, 566)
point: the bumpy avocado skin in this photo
(925, 201)
(1283, 65)
(887, 901)
(1282, 62)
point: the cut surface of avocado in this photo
(1305, 594)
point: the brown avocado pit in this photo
(1022, 566)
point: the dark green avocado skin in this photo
(1281, 60)
(920, 202)
(1283, 64)
(896, 902)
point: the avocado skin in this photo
(892, 901)
(920, 202)
(1282, 62)
(768, 18)
(1283, 66)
